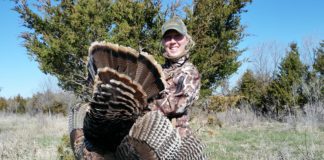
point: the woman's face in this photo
(174, 43)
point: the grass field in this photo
(245, 136)
(242, 136)
(30, 137)
(265, 141)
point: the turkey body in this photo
(116, 123)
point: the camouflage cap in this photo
(174, 23)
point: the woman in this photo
(182, 77)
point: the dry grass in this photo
(245, 136)
(30, 137)
(235, 134)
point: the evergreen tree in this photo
(285, 90)
(215, 26)
(138, 25)
(319, 61)
(60, 34)
(252, 89)
(319, 67)
(3, 104)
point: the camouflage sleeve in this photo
(176, 99)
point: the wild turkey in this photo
(116, 123)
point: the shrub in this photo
(64, 149)
(50, 102)
(3, 104)
(57, 107)
(16, 104)
(222, 103)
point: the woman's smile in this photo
(174, 43)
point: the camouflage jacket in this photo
(182, 90)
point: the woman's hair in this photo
(191, 43)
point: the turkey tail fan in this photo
(123, 80)
(151, 136)
(140, 67)
(117, 103)
(115, 107)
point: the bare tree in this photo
(266, 58)
(177, 7)
(276, 52)
(49, 84)
(225, 87)
(260, 60)
(309, 45)
(174, 7)
(12, 105)
(48, 102)
(49, 97)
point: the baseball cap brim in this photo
(173, 27)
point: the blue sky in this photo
(283, 21)
(280, 22)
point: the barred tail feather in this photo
(110, 76)
(157, 132)
(135, 149)
(76, 116)
(153, 81)
(139, 67)
(191, 149)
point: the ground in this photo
(242, 135)
(31, 137)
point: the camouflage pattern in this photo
(174, 23)
(182, 90)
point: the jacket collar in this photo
(173, 63)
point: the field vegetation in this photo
(233, 134)
(24, 136)
(240, 134)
